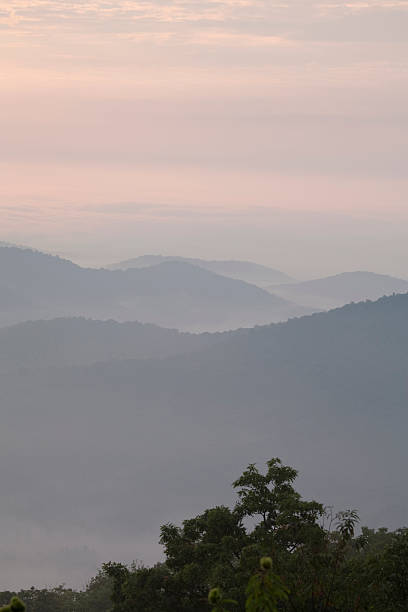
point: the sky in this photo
(268, 130)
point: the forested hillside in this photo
(79, 341)
(139, 442)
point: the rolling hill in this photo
(248, 271)
(173, 294)
(79, 341)
(340, 289)
(107, 452)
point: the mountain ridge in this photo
(172, 294)
(137, 442)
(338, 289)
(80, 341)
(248, 271)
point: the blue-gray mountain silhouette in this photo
(340, 289)
(248, 271)
(109, 451)
(173, 294)
(80, 341)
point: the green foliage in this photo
(15, 605)
(388, 575)
(217, 549)
(119, 574)
(97, 595)
(57, 599)
(265, 589)
(95, 598)
(216, 599)
(311, 560)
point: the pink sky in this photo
(154, 126)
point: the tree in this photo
(15, 605)
(97, 595)
(221, 548)
(118, 573)
(311, 561)
(387, 575)
(319, 565)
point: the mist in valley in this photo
(113, 424)
(203, 306)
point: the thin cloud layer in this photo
(294, 20)
(214, 104)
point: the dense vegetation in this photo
(15, 605)
(312, 560)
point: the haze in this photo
(270, 131)
(203, 264)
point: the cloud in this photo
(311, 19)
(203, 102)
(363, 23)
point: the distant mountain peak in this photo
(174, 293)
(339, 289)
(251, 272)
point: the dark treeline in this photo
(316, 561)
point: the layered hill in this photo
(248, 271)
(173, 294)
(340, 289)
(79, 341)
(107, 452)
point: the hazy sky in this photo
(275, 131)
